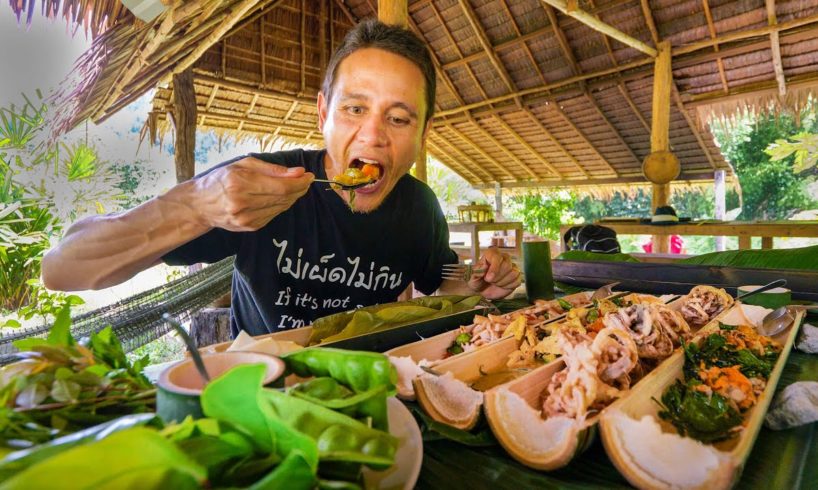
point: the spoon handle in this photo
(766, 287)
(191, 347)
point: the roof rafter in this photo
(527, 146)
(459, 136)
(556, 143)
(454, 163)
(481, 151)
(675, 91)
(582, 135)
(598, 25)
(457, 47)
(775, 44)
(505, 150)
(642, 62)
(712, 28)
(569, 55)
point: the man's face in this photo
(375, 116)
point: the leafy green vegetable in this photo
(61, 386)
(339, 438)
(133, 458)
(463, 338)
(708, 418)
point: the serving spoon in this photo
(191, 347)
(779, 319)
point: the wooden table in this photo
(475, 228)
(744, 230)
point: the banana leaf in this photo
(805, 258)
(780, 459)
(582, 255)
(386, 316)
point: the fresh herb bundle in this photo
(60, 386)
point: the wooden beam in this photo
(752, 89)
(184, 122)
(646, 13)
(643, 62)
(635, 179)
(600, 26)
(478, 149)
(420, 164)
(527, 146)
(712, 27)
(303, 57)
(393, 12)
(263, 51)
(250, 89)
(775, 44)
(249, 109)
(660, 129)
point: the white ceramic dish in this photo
(404, 473)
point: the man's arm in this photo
(101, 251)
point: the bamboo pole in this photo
(184, 117)
(600, 26)
(660, 129)
(394, 12)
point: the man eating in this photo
(304, 249)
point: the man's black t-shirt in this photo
(319, 257)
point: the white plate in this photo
(409, 456)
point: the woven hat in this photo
(664, 215)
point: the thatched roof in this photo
(525, 93)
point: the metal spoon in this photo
(766, 287)
(779, 319)
(344, 187)
(191, 347)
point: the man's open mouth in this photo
(366, 169)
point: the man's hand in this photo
(501, 277)
(247, 194)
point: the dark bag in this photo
(592, 238)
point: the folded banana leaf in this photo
(582, 255)
(386, 316)
(792, 258)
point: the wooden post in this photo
(660, 129)
(394, 12)
(420, 164)
(184, 118)
(498, 202)
(721, 208)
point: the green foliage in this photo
(62, 386)
(43, 185)
(803, 145)
(451, 189)
(771, 187)
(133, 178)
(541, 212)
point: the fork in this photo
(460, 272)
